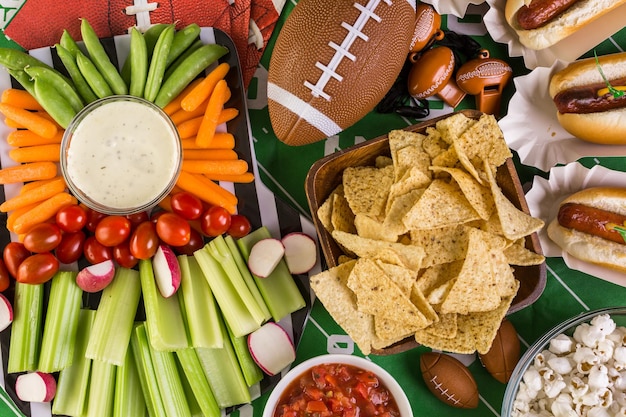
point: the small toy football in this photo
(449, 380)
(502, 357)
(332, 62)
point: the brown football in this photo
(504, 354)
(449, 380)
(332, 62)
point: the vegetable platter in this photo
(255, 201)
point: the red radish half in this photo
(6, 312)
(264, 256)
(96, 277)
(38, 387)
(271, 348)
(166, 270)
(300, 252)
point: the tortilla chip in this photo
(399, 139)
(403, 277)
(342, 217)
(452, 127)
(445, 327)
(443, 245)
(506, 284)
(324, 212)
(518, 255)
(448, 158)
(408, 157)
(433, 144)
(414, 179)
(491, 147)
(478, 196)
(394, 221)
(331, 289)
(367, 188)
(462, 342)
(370, 228)
(437, 280)
(383, 161)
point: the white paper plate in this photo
(568, 49)
(545, 196)
(532, 129)
(454, 7)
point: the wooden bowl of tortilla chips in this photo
(427, 237)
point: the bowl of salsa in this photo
(337, 385)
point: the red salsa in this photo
(337, 390)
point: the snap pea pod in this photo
(101, 60)
(69, 61)
(152, 36)
(55, 104)
(157, 63)
(182, 40)
(69, 43)
(189, 69)
(24, 80)
(64, 87)
(15, 59)
(190, 50)
(93, 77)
(138, 58)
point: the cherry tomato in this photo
(196, 241)
(155, 215)
(113, 230)
(71, 218)
(37, 268)
(43, 237)
(239, 226)
(95, 252)
(137, 218)
(173, 229)
(186, 205)
(13, 255)
(144, 241)
(93, 218)
(215, 221)
(71, 247)
(5, 278)
(123, 256)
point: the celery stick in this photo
(168, 381)
(199, 304)
(233, 308)
(247, 276)
(201, 390)
(145, 370)
(128, 397)
(163, 315)
(279, 290)
(59, 331)
(224, 374)
(71, 396)
(194, 407)
(251, 371)
(115, 318)
(26, 328)
(101, 389)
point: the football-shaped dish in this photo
(333, 61)
(504, 354)
(449, 380)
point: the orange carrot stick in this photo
(223, 167)
(25, 137)
(31, 171)
(207, 191)
(203, 90)
(35, 195)
(42, 212)
(221, 140)
(17, 213)
(20, 98)
(225, 193)
(227, 114)
(244, 178)
(189, 128)
(36, 153)
(174, 105)
(34, 184)
(183, 115)
(30, 120)
(213, 109)
(209, 154)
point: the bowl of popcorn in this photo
(576, 369)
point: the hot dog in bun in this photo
(542, 23)
(587, 107)
(590, 226)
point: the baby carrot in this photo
(34, 184)
(37, 194)
(36, 153)
(30, 120)
(221, 140)
(17, 213)
(209, 154)
(203, 90)
(244, 178)
(207, 190)
(25, 137)
(211, 114)
(174, 105)
(182, 115)
(223, 167)
(31, 171)
(42, 212)
(20, 98)
(227, 114)
(189, 128)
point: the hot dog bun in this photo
(577, 16)
(584, 246)
(607, 127)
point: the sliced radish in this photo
(166, 270)
(6, 312)
(96, 277)
(264, 256)
(271, 348)
(38, 387)
(300, 252)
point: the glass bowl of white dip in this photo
(121, 155)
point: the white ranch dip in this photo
(123, 154)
